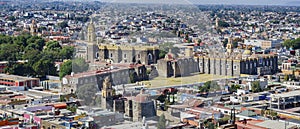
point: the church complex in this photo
(231, 62)
(119, 63)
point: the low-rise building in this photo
(285, 100)
(18, 81)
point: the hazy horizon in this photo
(215, 2)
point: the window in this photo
(125, 56)
(227, 66)
(235, 67)
(260, 61)
(139, 56)
(149, 56)
(111, 55)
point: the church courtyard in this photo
(192, 79)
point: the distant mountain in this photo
(293, 3)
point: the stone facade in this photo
(118, 53)
(92, 48)
(180, 67)
(92, 52)
(227, 64)
(107, 94)
(138, 109)
(129, 54)
(117, 76)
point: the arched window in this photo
(97, 54)
(111, 55)
(149, 56)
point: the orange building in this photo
(13, 80)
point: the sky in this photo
(228, 2)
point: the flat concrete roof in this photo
(272, 124)
(287, 94)
(16, 78)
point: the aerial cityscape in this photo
(84, 64)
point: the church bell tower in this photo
(92, 51)
(107, 94)
(91, 34)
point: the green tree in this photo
(9, 52)
(295, 44)
(67, 52)
(223, 120)
(32, 39)
(233, 87)
(162, 54)
(44, 67)
(255, 87)
(165, 47)
(79, 65)
(40, 43)
(53, 45)
(210, 125)
(273, 114)
(209, 86)
(133, 77)
(65, 69)
(161, 122)
(72, 108)
(32, 56)
(286, 77)
(31, 48)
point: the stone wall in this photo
(128, 108)
(92, 51)
(217, 66)
(144, 109)
(119, 106)
(129, 55)
(178, 68)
